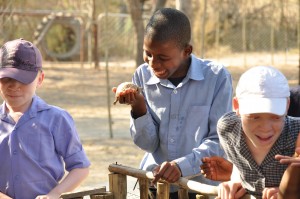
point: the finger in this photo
(298, 141)
(114, 89)
(155, 174)
(172, 174)
(241, 192)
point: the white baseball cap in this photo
(262, 89)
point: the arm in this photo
(69, 183)
(3, 196)
(290, 182)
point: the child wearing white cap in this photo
(257, 131)
(38, 142)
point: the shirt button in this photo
(15, 152)
(171, 140)
(175, 91)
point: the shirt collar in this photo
(37, 105)
(195, 72)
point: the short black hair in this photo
(168, 24)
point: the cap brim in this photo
(23, 76)
(250, 105)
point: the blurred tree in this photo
(136, 13)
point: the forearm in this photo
(3, 196)
(290, 183)
(70, 182)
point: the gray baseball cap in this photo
(20, 60)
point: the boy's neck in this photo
(258, 154)
(15, 115)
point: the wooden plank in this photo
(80, 194)
(107, 195)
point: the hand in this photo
(135, 99)
(230, 190)
(168, 171)
(127, 96)
(270, 193)
(216, 168)
(293, 161)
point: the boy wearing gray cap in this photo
(257, 131)
(38, 142)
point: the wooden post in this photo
(183, 193)
(163, 190)
(144, 187)
(118, 185)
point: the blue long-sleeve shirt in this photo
(180, 123)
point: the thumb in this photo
(114, 89)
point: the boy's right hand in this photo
(131, 96)
(128, 96)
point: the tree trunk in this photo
(135, 9)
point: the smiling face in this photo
(262, 129)
(166, 59)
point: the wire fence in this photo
(236, 32)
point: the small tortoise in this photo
(124, 86)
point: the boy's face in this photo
(166, 59)
(18, 96)
(262, 129)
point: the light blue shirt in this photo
(34, 151)
(180, 123)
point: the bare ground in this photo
(83, 92)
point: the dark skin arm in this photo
(168, 171)
(216, 168)
(289, 187)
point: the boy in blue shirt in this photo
(37, 141)
(174, 118)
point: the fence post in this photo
(183, 193)
(163, 190)
(144, 186)
(118, 185)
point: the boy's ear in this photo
(188, 50)
(40, 79)
(235, 105)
